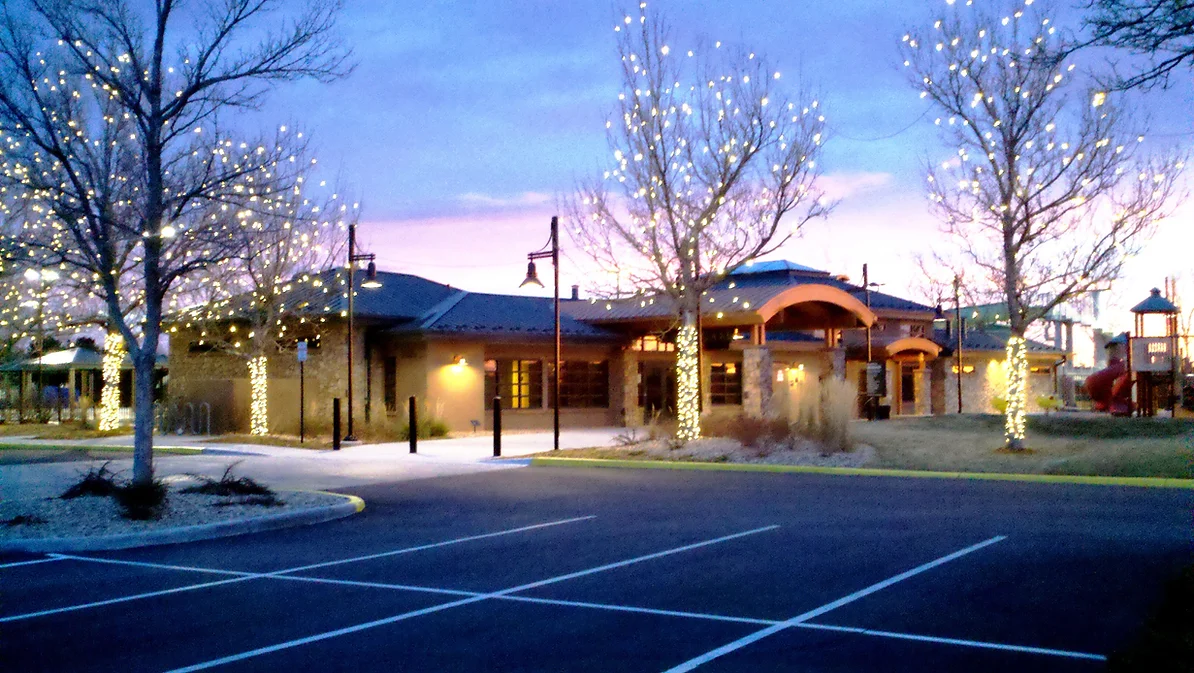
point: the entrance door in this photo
(657, 388)
(908, 374)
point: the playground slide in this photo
(1111, 389)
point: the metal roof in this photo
(1155, 304)
(497, 315)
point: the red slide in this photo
(1111, 389)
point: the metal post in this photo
(555, 401)
(497, 426)
(336, 424)
(302, 404)
(352, 243)
(414, 426)
(958, 329)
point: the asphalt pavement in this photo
(553, 569)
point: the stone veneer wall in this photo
(756, 380)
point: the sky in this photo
(464, 122)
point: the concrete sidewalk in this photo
(304, 469)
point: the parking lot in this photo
(552, 569)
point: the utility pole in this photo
(958, 329)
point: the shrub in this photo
(228, 485)
(1048, 403)
(428, 428)
(142, 502)
(999, 404)
(97, 481)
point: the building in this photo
(455, 351)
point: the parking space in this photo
(552, 569)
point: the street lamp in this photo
(41, 276)
(370, 282)
(958, 326)
(550, 251)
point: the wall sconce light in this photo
(459, 361)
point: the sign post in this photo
(302, 359)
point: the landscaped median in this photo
(91, 523)
(1149, 482)
(1063, 448)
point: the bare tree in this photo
(714, 165)
(1161, 30)
(1044, 195)
(282, 246)
(74, 75)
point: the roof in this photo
(745, 287)
(992, 339)
(1155, 304)
(751, 268)
(473, 313)
(401, 297)
(70, 358)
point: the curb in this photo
(1139, 482)
(204, 531)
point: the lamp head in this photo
(371, 280)
(532, 276)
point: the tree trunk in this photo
(688, 393)
(1015, 416)
(143, 363)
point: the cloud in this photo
(517, 201)
(846, 184)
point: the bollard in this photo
(497, 427)
(414, 426)
(336, 424)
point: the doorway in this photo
(657, 389)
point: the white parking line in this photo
(26, 563)
(956, 641)
(464, 601)
(816, 612)
(241, 576)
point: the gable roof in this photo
(71, 358)
(744, 288)
(499, 315)
(989, 339)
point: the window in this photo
(519, 382)
(725, 383)
(584, 384)
(652, 343)
(390, 384)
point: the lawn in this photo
(57, 431)
(17, 453)
(1058, 444)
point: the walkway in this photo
(305, 469)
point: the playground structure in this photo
(1143, 376)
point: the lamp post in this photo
(551, 251)
(370, 282)
(958, 329)
(41, 276)
(871, 401)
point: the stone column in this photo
(756, 380)
(625, 395)
(937, 375)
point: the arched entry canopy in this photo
(807, 306)
(911, 346)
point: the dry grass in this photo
(1059, 443)
(56, 431)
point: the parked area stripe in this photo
(464, 601)
(27, 563)
(955, 641)
(241, 576)
(705, 658)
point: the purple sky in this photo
(464, 120)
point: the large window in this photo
(725, 383)
(584, 384)
(519, 382)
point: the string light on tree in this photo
(113, 360)
(688, 403)
(1017, 390)
(259, 391)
